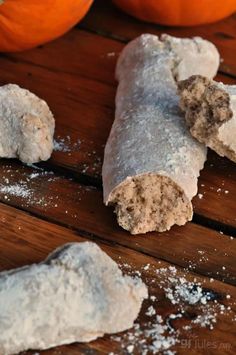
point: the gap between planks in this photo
(88, 180)
(21, 243)
(107, 20)
(74, 99)
(101, 33)
(113, 243)
(113, 229)
(80, 208)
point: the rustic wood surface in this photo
(61, 200)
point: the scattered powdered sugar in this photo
(130, 348)
(94, 164)
(155, 333)
(111, 54)
(220, 191)
(201, 252)
(153, 298)
(39, 188)
(205, 320)
(146, 267)
(19, 190)
(92, 159)
(27, 187)
(34, 175)
(187, 292)
(65, 144)
(151, 311)
(151, 337)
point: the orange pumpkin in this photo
(178, 12)
(27, 23)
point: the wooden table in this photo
(62, 202)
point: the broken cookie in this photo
(26, 125)
(77, 294)
(151, 162)
(210, 112)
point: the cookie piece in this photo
(77, 294)
(26, 125)
(210, 113)
(151, 162)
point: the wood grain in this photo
(105, 19)
(217, 188)
(25, 239)
(71, 204)
(82, 94)
(75, 75)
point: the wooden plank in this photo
(79, 103)
(104, 18)
(80, 89)
(25, 239)
(79, 207)
(217, 190)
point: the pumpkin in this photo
(27, 23)
(178, 12)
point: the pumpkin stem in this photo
(1, 2)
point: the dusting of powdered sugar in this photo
(155, 333)
(27, 187)
(186, 294)
(65, 144)
(32, 186)
(92, 160)
(151, 337)
(19, 190)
